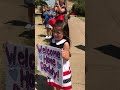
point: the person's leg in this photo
(30, 16)
(49, 87)
(50, 33)
(57, 89)
(31, 11)
(47, 33)
(42, 18)
(60, 89)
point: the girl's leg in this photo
(50, 87)
(57, 89)
(48, 31)
(42, 20)
(30, 13)
(60, 89)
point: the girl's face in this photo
(48, 8)
(58, 34)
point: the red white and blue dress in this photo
(66, 69)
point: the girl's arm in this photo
(52, 13)
(66, 51)
(55, 6)
(61, 10)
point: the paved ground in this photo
(103, 29)
(77, 36)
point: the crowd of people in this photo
(50, 16)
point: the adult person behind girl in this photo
(61, 40)
(60, 9)
(31, 11)
(48, 15)
(42, 12)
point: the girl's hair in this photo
(64, 27)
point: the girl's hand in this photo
(63, 53)
(66, 51)
(48, 13)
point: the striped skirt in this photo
(66, 78)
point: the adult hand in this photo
(57, 2)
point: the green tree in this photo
(79, 7)
(40, 2)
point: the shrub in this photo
(79, 7)
(40, 3)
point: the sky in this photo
(50, 2)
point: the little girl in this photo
(48, 15)
(61, 40)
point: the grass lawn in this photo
(82, 18)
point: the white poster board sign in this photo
(50, 62)
(20, 62)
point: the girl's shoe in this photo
(47, 37)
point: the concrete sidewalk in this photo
(103, 28)
(77, 36)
